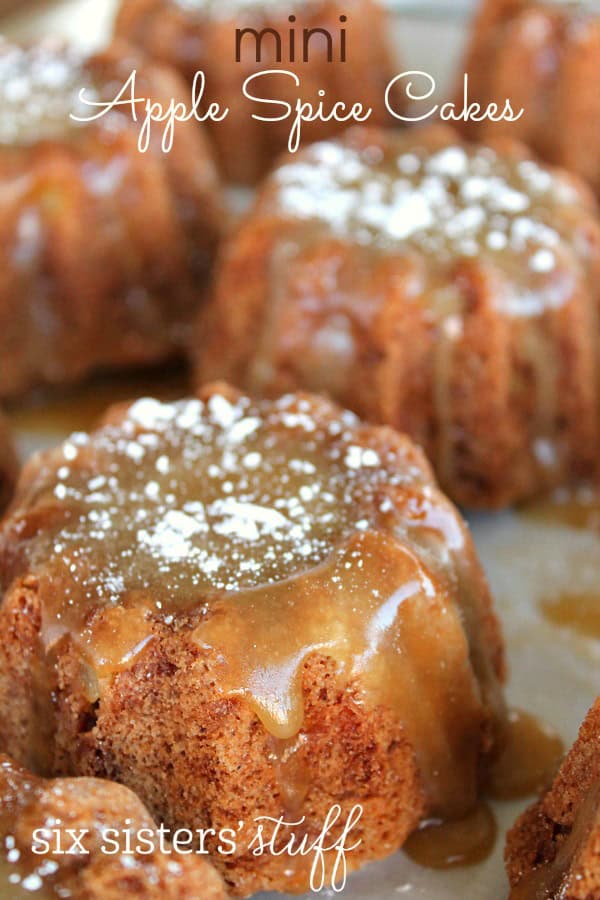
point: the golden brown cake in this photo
(544, 56)
(553, 851)
(8, 463)
(243, 609)
(448, 289)
(200, 35)
(105, 252)
(39, 817)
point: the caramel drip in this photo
(577, 612)
(550, 881)
(530, 756)
(292, 772)
(394, 634)
(446, 845)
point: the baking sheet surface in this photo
(554, 673)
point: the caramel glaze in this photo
(286, 530)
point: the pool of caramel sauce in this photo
(578, 508)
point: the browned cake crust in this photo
(553, 851)
(105, 252)
(100, 813)
(447, 289)
(8, 463)
(544, 57)
(204, 38)
(224, 705)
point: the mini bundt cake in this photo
(553, 851)
(447, 289)
(201, 35)
(544, 56)
(8, 463)
(105, 252)
(39, 817)
(248, 609)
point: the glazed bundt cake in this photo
(447, 289)
(243, 609)
(544, 56)
(105, 251)
(8, 463)
(553, 851)
(201, 35)
(39, 817)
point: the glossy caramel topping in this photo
(446, 845)
(531, 753)
(288, 531)
(39, 89)
(459, 200)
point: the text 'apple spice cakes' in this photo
(39, 818)
(553, 851)
(544, 56)
(243, 609)
(105, 251)
(448, 289)
(349, 60)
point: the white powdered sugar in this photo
(39, 89)
(188, 498)
(458, 201)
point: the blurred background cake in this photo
(545, 56)
(194, 35)
(448, 289)
(8, 463)
(105, 251)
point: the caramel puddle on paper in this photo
(445, 845)
(578, 508)
(577, 612)
(530, 757)
(575, 508)
(59, 413)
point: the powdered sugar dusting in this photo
(195, 497)
(459, 200)
(39, 89)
